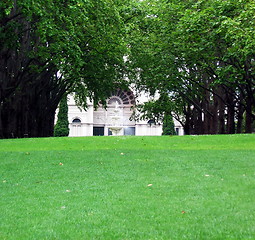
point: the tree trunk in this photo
(240, 113)
(231, 119)
(249, 119)
(187, 113)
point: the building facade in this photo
(114, 120)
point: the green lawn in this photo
(189, 187)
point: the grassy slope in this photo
(202, 188)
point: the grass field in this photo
(189, 187)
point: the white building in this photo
(104, 122)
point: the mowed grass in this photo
(189, 187)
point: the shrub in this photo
(168, 125)
(61, 128)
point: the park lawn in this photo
(127, 187)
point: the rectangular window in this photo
(109, 132)
(129, 131)
(98, 131)
(177, 131)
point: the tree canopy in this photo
(50, 48)
(198, 56)
(202, 55)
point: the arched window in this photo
(76, 120)
(76, 127)
(123, 97)
(113, 101)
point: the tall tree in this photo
(50, 48)
(201, 53)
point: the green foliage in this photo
(189, 187)
(61, 128)
(48, 48)
(193, 50)
(168, 125)
(154, 109)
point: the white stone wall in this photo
(104, 118)
(85, 128)
(147, 130)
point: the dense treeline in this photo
(199, 56)
(49, 48)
